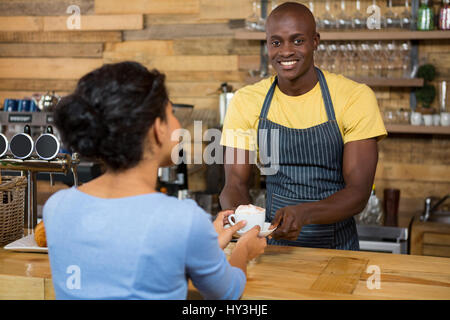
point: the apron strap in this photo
(268, 100)
(326, 95)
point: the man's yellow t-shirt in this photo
(355, 107)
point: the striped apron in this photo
(308, 168)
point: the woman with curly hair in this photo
(116, 237)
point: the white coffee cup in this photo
(416, 118)
(445, 119)
(436, 120)
(428, 119)
(252, 214)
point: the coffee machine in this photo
(173, 180)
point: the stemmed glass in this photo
(358, 22)
(332, 57)
(364, 58)
(405, 17)
(378, 57)
(390, 19)
(255, 22)
(405, 49)
(390, 55)
(343, 21)
(311, 8)
(320, 57)
(351, 60)
(328, 21)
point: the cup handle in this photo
(231, 221)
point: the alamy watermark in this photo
(266, 158)
(73, 281)
(73, 22)
(374, 281)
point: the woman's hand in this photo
(254, 244)
(225, 235)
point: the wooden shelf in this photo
(371, 82)
(390, 82)
(358, 35)
(410, 129)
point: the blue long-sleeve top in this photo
(139, 247)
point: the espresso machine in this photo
(30, 167)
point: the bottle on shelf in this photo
(425, 19)
(444, 15)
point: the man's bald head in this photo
(293, 9)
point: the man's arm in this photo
(237, 178)
(359, 165)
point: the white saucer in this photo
(25, 244)
(264, 231)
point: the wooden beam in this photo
(214, 46)
(37, 84)
(21, 23)
(230, 9)
(249, 62)
(76, 50)
(87, 23)
(144, 47)
(195, 89)
(46, 68)
(147, 6)
(97, 22)
(62, 36)
(43, 7)
(180, 31)
(198, 76)
(177, 63)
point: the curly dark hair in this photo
(110, 112)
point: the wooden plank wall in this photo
(191, 41)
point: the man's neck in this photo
(300, 85)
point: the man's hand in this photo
(289, 222)
(225, 235)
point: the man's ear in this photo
(159, 131)
(316, 40)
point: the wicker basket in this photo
(12, 208)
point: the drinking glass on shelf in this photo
(389, 60)
(350, 61)
(358, 19)
(404, 52)
(255, 22)
(378, 65)
(403, 116)
(406, 17)
(320, 56)
(390, 116)
(364, 58)
(311, 8)
(331, 57)
(390, 19)
(343, 21)
(328, 21)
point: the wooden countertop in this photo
(281, 273)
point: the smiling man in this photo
(327, 128)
